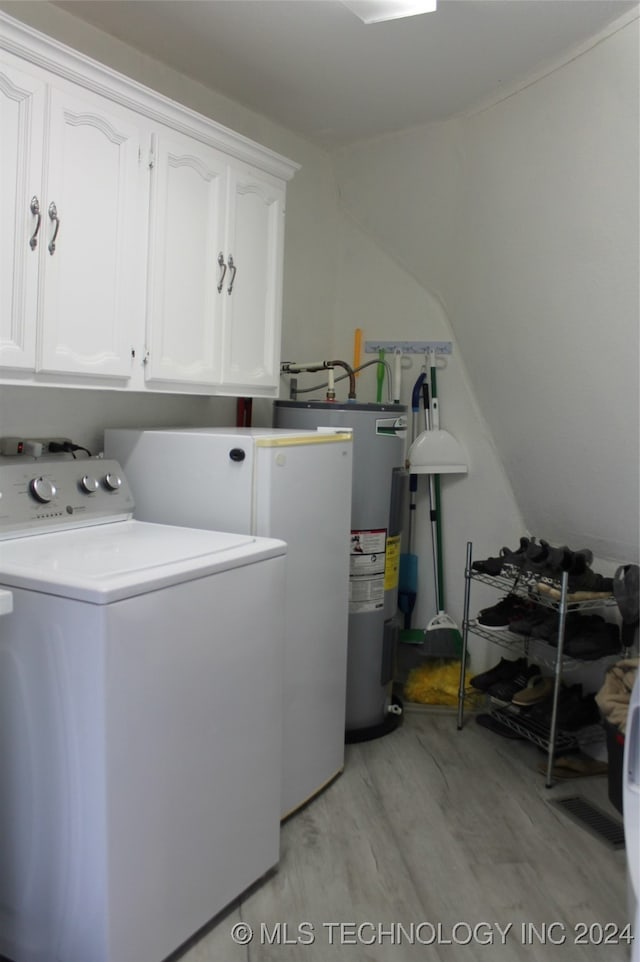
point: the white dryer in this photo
(140, 718)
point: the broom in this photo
(442, 633)
(408, 580)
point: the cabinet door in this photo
(93, 256)
(186, 243)
(22, 100)
(253, 309)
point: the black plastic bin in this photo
(615, 752)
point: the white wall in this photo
(377, 295)
(524, 219)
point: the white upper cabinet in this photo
(141, 244)
(94, 228)
(184, 305)
(22, 102)
(215, 270)
(253, 284)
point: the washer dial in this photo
(43, 490)
(112, 481)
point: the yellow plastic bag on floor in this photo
(436, 682)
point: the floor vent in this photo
(609, 830)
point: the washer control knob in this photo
(112, 481)
(43, 490)
(89, 484)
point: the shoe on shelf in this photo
(541, 712)
(575, 710)
(502, 692)
(584, 587)
(505, 669)
(539, 687)
(545, 563)
(595, 639)
(513, 561)
(578, 712)
(498, 617)
(532, 619)
(547, 630)
(494, 566)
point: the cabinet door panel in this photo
(251, 331)
(184, 304)
(93, 278)
(22, 103)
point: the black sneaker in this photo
(503, 671)
(494, 566)
(545, 564)
(499, 616)
(502, 692)
(531, 618)
(575, 710)
(595, 639)
(547, 628)
(513, 561)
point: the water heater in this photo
(379, 431)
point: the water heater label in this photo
(392, 567)
(366, 574)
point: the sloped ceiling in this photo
(313, 67)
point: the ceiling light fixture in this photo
(377, 11)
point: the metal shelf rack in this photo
(549, 738)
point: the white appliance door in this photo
(303, 492)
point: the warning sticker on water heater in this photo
(366, 573)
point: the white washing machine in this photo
(140, 718)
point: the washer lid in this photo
(108, 562)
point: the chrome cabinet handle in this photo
(224, 271)
(234, 270)
(53, 215)
(35, 210)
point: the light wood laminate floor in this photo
(429, 839)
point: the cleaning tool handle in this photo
(415, 394)
(397, 376)
(427, 406)
(380, 376)
(435, 407)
